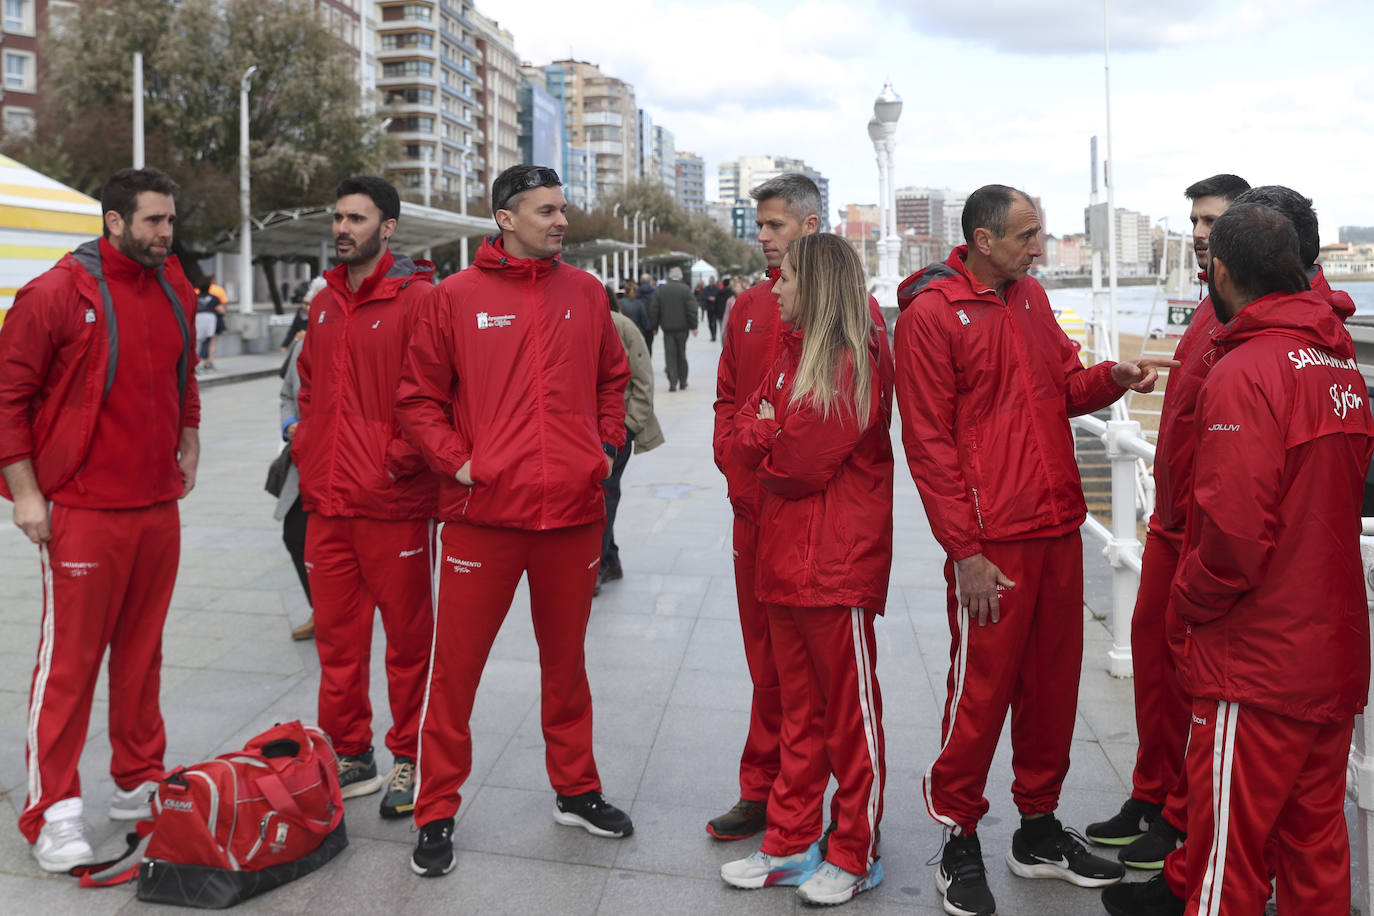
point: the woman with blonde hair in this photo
(816, 433)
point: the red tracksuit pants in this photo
(358, 566)
(479, 570)
(758, 765)
(1161, 705)
(1029, 661)
(1266, 796)
(107, 581)
(832, 720)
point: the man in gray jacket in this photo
(673, 309)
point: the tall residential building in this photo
(657, 154)
(737, 178)
(432, 92)
(690, 172)
(500, 112)
(1134, 250)
(922, 210)
(954, 219)
(600, 114)
(541, 127)
(19, 47)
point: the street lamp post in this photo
(634, 248)
(882, 130)
(245, 204)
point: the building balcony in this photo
(602, 119)
(395, 54)
(614, 148)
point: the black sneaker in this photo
(963, 880)
(1126, 826)
(593, 814)
(1150, 850)
(433, 855)
(1060, 853)
(1147, 898)
(745, 819)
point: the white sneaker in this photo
(831, 884)
(62, 843)
(763, 870)
(134, 804)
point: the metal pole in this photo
(138, 109)
(1110, 180)
(634, 251)
(245, 203)
(1125, 582)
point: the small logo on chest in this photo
(963, 317)
(748, 325)
(781, 377)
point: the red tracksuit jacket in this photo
(518, 368)
(751, 347)
(350, 363)
(986, 389)
(825, 516)
(1270, 586)
(55, 367)
(1177, 439)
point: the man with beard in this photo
(98, 440)
(514, 390)
(370, 497)
(1152, 822)
(1269, 600)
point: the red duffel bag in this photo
(247, 822)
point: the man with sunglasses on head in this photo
(514, 391)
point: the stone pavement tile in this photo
(522, 765)
(721, 602)
(671, 839)
(715, 645)
(703, 776)
(724, 690)
(625, 722)
(58, 895)
(692, 726)
(517, 822)
(632, 595)
(632, 893)
(613, 684)
(486, 883)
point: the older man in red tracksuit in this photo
(370, 497)
(514, 392)
(986, 381)
(98, 440)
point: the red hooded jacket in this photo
(519, 369)
(353, 458)
(58, 360)
(750, 349)
(986, 388)
(1270, 586)
(1177, 438)
(825, 514)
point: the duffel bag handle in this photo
(275, 791)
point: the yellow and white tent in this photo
(40, 220)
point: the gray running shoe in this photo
(399, 800)
(358, 774)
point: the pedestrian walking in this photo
(674, 310)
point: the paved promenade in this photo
(667, 673)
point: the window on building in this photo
(407, 68)
(18, 122)
(14, 15)
(19, 71)
(396, 40)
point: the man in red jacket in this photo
(986, 381)
(370, 497)
(1270, 590)
(98, 440)
(789, 207)
(514, 392)
(1151, 822)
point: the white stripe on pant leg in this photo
(960, 670)
(40, 680)
(1223, 761)
(864, 668)
(436, 565)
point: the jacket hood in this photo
(940, 270)
(492, 256)
(393, 272)
(1307, 317)
(1339, 300)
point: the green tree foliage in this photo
(306, 126)
(675, 229)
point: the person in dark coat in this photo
(674, 309)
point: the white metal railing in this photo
(1126, 449)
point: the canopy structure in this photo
(606, 258)
(704, 270)
(308, 232)
(40, 221)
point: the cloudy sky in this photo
(1009, 91)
